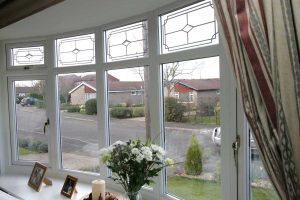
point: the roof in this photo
(113, 86)
(201, 84)
(24, 89)
(125, 85)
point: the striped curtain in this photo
(263, 41)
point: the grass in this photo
(24, 151)
(201, 119)
(196, 189)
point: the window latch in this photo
(235, 147)
(46, 124)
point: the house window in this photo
(78, 146)
(127, 42)
(183, 144)
(189, 27)
(78, 50)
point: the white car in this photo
(216, 138)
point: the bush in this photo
(36, 95)
(40, 104)
(91, 107)
(118, 105)
(42, 148)
(121, 112)
(138, 112)
(73, 109)
(64, 106)
(24, 142)
(62, 99)
(173, 110)
(193, 157)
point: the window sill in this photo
(17, 185)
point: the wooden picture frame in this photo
(37, 176)
(69, 186)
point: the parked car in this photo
(27, 101)
(17, 100)
(216, 138)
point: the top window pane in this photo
(127, 42)
(72, 51)
(27, 56)
(190, 27)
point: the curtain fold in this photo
(263, 41)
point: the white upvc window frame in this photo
(154, 60)
(9, 56)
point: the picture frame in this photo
(37, 176)
(69, 186)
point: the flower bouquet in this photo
(134, 163)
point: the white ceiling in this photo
(72, 15)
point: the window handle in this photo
(46, 124)
(235, 147)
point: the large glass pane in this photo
(128, 105)
(192, 128)
(78, 121)
(261, 186)
(78, 50)
(30, 111)
(127, 42)
(27, 56)
(189, 27)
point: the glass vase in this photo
(132, 196)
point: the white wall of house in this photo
(78, 97)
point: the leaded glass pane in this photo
(189, 27)
(28, 56)
(79, 50)
(127, 42)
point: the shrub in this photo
(36, 95)
(91, 107)
(62, 99)
(73, 109)
(121, 112)
(40, 104)
(193, 157)
(173, 110)
(24, 142)
(118, 105)
(138, 112)
(42, 148)
(64, 106)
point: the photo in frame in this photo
(69, 186)
(37, 176)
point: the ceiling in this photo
(72, 15)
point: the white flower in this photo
(118, 143)
(105, 155)
(135, 151)
(147, 153)
(139, 158)
(154, 147)
(169, 162)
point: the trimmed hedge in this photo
(73, 109)
(91, 107)
(138, 112)
(121, 112)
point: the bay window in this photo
(157, 76)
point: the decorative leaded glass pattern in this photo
(27, 56)
(79, 50)
(189, 27)
(127, 42)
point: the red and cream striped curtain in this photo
(263, 43)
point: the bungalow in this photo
(130, 92)
(196, 91)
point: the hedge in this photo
(91, 107)
(121, 112)
(173, 110)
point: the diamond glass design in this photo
(27, 56)
(78, 50)
(127, 42)
(189, 27)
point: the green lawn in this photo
(23, 151)
(196, 189)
